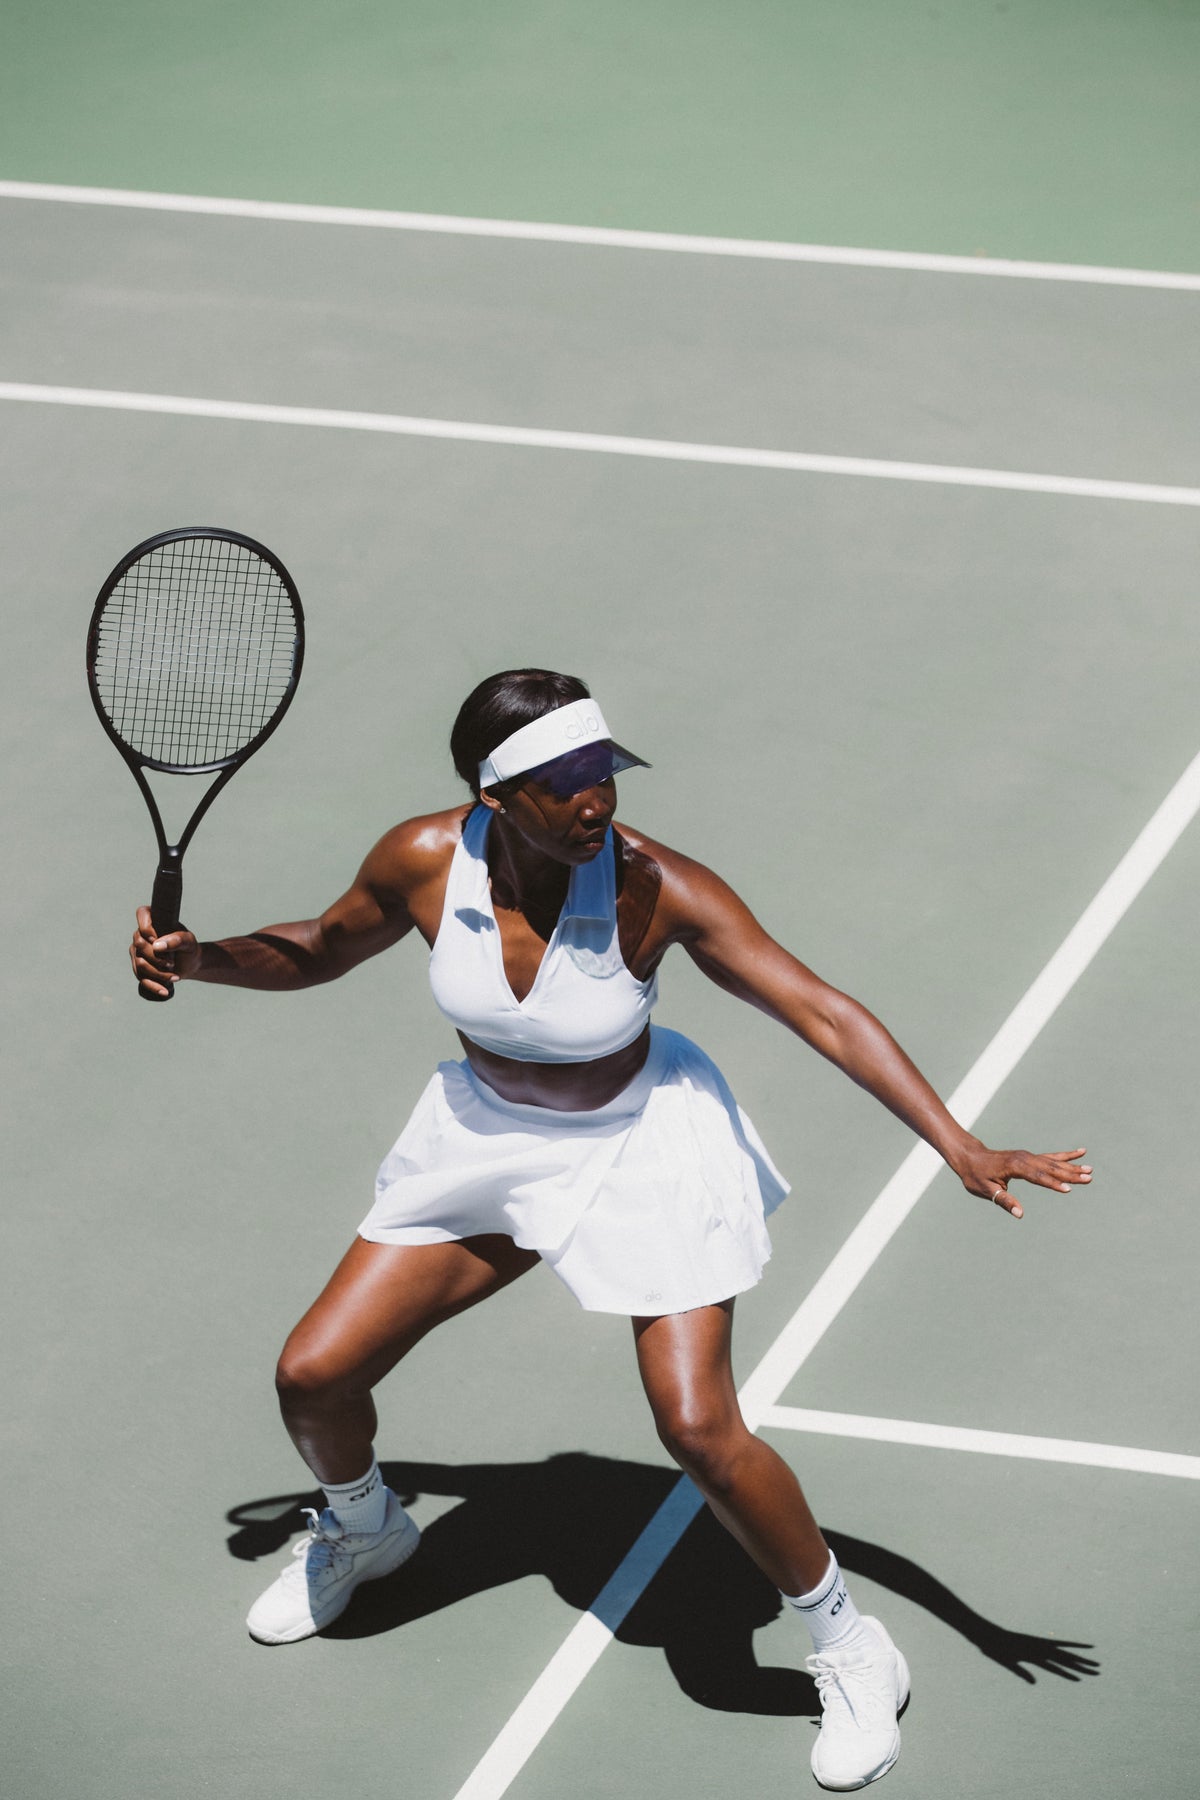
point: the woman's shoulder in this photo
(672, 865)
(416, 850)
(682, 884)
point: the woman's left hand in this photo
(988, 1172)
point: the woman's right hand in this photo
(161, 962)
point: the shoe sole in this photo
(408, 1543)
(850, 1787)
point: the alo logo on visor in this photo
(579, 728)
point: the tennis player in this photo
(575, 1133)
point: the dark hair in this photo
(501, 705)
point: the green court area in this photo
(994, 127)
(916, 721)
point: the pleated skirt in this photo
(654, 1203)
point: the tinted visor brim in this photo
(584, 768)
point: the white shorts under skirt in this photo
(654, 1203)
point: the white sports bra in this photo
(584, 1002)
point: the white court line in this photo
(662, 449)
(761, 249)
(582, 1649)
(523, 1732)
(984, 1443)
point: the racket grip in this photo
(165, 903)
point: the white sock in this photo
(359, 1506)
(828, 1611)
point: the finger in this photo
(179, 939)
(1051, 1178)
(1069, 1164)
(145, 925)
(153, 957)
(1010, 1203)
(1065, 1179)
(1050, 1171)
(153, 973)
(152, 976)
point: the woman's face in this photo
(568, 828)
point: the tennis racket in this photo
(193, 655)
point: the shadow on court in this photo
(571, 1519)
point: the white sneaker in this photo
(330, 1563)
(861, 1693)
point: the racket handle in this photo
(165, 903)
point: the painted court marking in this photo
(983, 1443)
(759, 1396)
(765, 250)
(534, 438)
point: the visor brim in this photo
(583, 768)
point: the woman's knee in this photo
(308, 1372)
(706, 1441)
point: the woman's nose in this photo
(596, 803)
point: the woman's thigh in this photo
(383, 1298)
(684, 1362)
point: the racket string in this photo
(195, 650)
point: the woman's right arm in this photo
(373, 914)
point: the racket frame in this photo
(167, 895)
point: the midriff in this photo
(565, 1087)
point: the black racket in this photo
(193, 655)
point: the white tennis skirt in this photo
(654, 1203)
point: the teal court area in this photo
(890, 568)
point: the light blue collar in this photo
(591, 892)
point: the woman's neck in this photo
(523, 878)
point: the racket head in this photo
(194, 650)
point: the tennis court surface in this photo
(889, 564)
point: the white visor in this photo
(580, 725)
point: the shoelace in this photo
(848, 1688)
(320, 1550)
(830, 1688)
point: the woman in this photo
(577, 1134)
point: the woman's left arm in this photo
(726, 941)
